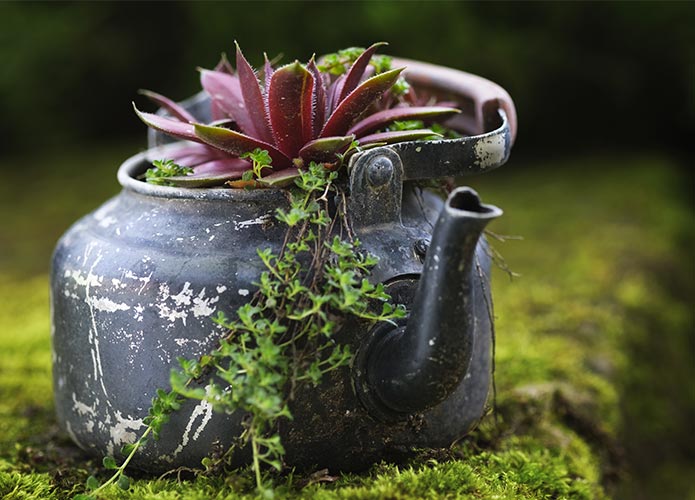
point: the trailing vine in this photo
(284, 336)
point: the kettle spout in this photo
(417, 366)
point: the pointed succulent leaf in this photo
(399, 136)
(225, 92)
(253, 97)
(211, 173)
(319, 99)
(356, 71)
(282, 178)
(174, 109)
(332, 94)
(290, 102)
(169, 126)
(222, 166)
(237, 143)
(325, 149)
(267, 73)
(202, 180)
(382, 118)
(350, 108)
(224, 66)
(190, 154)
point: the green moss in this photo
(593, 350)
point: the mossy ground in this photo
(594, 344)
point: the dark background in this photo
(584, 76)
(590, 80)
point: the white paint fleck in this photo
(251, 222)
(82, 408)
(490, 151)
(211, 238)
(104, 304)
(202, 305)
(418, 149)
(171, 314)
(118, 283)
(243, 292)
(89, 279)
(184, 296)
(94, 331)
(138, 313)
(124, 431)
(142, 279)
(203, 409)
(167, 312)
(108, 221)
(221, 288)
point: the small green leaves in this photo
(260, 159)
(284, 335)
(338, 62)
(163, 169)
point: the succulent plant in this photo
(297, 113)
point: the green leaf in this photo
(124, 482)
(163, 170)
(83, 496)
(109, 463)
(92, 483)
(127, 449)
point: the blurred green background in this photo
(605, 94)
(583, 75)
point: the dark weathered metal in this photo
(416, 366)
(134, 285)
(376, 188)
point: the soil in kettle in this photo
(594, 347)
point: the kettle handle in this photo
(477, 97)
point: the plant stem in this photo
(121, 469)
(256, 463)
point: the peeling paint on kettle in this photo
(124, 432)
(490, 151)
